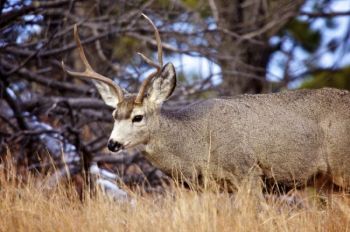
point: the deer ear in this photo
(107, 93)
(163, 85)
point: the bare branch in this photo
(325, 14)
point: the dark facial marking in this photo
(124, 109)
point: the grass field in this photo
(29, 207)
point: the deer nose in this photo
(113, 145)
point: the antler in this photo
(158, 66)
(89, 72)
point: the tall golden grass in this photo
(30, 207)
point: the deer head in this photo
(132, 111)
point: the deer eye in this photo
(137, 118)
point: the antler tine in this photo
(149, 61)
(89, 72)
(159, 42)
(158, 66)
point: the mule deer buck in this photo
(290, 136)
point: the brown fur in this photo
(124, 108)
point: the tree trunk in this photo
(244, 52)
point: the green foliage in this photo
(124, 48)
(199, 5)
(301, 31)
(162, 3)
(191, 3)
(327, 78)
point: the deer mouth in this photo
(127, 145)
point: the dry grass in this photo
(29, 207)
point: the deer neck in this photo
(173, 136)
(165, 125)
